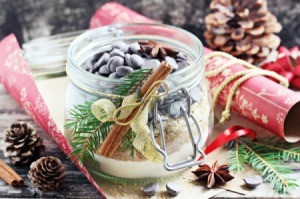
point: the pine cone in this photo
(22, 144)
(243, 28)
(47, 173)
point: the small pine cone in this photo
(22, 144)
(244, 29)
(47, 173)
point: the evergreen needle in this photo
(273, 170)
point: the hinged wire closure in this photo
(197, 151)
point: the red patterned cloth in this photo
(17, 80)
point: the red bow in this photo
(287, 65)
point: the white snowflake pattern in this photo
(16, 62)
(24, 101)
(11, 81)
(292, 99)
(279, 117)
(264, 119)
(40, 105)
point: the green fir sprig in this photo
(88, 132)
(268, 156)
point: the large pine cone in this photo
(243, 28)
(22, 143)
(47, 173)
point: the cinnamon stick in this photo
(117, 132)
(9, 175)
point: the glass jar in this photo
(85, 86)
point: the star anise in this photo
(213, 175)
(157, 50)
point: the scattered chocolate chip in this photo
(151, 63)
(117, 52)
(114, 62)
(253, 181)
(137, 61)
(172, 62)
(118, 44)
(151, 189)
(124, 70)
(173, 189)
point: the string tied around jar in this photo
(104, 110)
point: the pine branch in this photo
(284, 150)
(88, 132)
(133, 80)
(86, 144)
(127, 142)
(272, 169)
(237, 158)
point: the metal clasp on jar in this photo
(186, 114)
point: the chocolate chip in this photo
(173, 189)
(103, 60)
(95, 69)
(137, 61)
(114, 62)
(134, 48)
(90, 65)
(97, 56)
(114, 76)
(168, 100)
(124, 70)
(151, 189)
(125, 49)
(104, 70)
(172, 62)
(181, 57)
(182, 65)
(175, 109)
(151, 63)
(195, 94)
(128, 60)
(253, 181)
(118, 44)
(117, 52)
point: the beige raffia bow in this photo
(104, 110)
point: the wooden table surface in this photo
(75, 184)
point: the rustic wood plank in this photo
(75, 184)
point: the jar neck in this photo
(86, 45)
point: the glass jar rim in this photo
(71, 52)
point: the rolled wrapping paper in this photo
(259, 99)
(16, 78)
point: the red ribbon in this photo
(228, 135)
(287, 65)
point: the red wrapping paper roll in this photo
(259, 99)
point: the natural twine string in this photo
(241, 77)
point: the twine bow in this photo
(104, 110)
